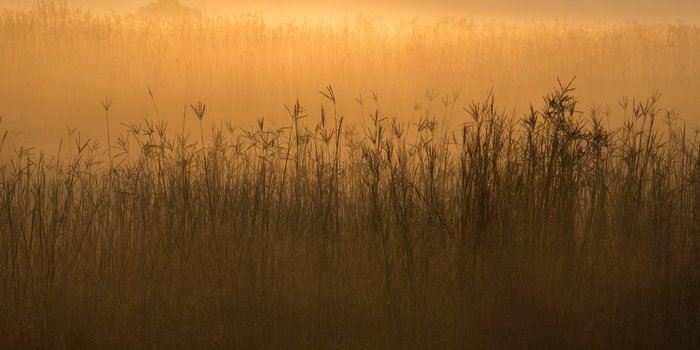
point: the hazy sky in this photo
(630, 9)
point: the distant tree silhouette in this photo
(168, 9)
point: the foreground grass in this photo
(547, 230)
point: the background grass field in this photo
(57, 62)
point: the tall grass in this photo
(546, 229)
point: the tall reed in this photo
(544, 230)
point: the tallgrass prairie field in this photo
(170, 178)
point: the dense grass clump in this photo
(546, 230)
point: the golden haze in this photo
(387, 214)
(61, 61)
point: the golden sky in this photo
(628, 9)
